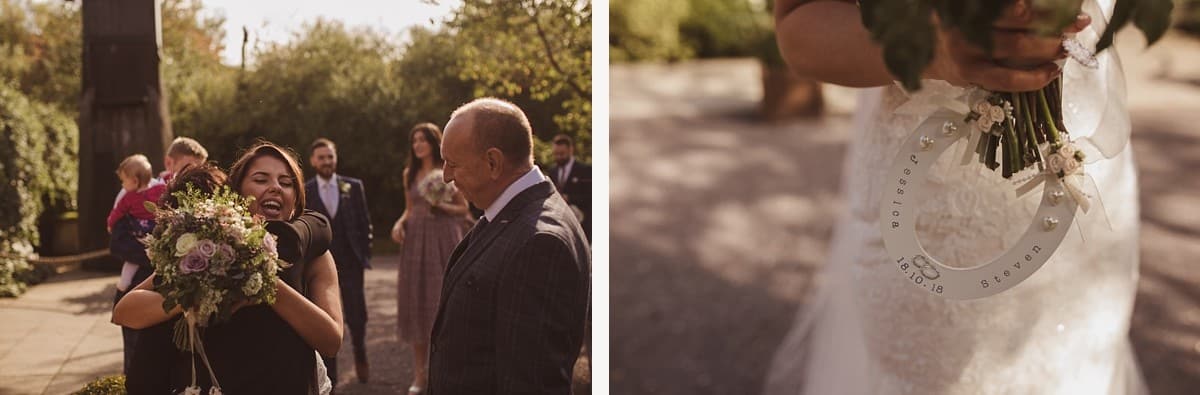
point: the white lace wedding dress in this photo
(867, 330)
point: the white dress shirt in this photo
(330, 193)
(533, 177)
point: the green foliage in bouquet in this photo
(1019, 130)
(906, 31)
(108, 385)
(212, 255)
(38, 147)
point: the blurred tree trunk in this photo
(786, 95)
(123, 110)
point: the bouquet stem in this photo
(1015, 144)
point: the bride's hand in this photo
(1020, 61)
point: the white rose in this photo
(1067, 150)
(185, 243)
(253, 285)
(1055, 163)
(984, 125)
(1071, 166)
(982, 107)
(997, 114)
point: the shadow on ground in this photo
(717, 225)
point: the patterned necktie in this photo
(331, 198)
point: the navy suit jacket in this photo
(352, 223)
(578, 188)
(515, 301)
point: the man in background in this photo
(343, 201)
(573, 180)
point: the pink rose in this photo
(226, 251)
(269, 244)
(206, 247)
(193, 262)
(224, 254)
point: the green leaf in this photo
(1153, 17)
(1122, 12)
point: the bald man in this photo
(515, 295)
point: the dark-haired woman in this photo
(428, 233)
(262, 349)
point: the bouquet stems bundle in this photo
(1015, 125)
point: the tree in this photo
(540, 49)
(40, 49)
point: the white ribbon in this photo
(194, 343)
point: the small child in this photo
(128, 221)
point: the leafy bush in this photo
(110, 385)
(680, 29)
(1189, 16)
(38, 147)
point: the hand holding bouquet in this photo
(1012, 131)
(212, 256)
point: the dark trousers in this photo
(354, 311)
(129, 336)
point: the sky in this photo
(276, 20)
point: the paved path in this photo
(719, 220)
(57, 337)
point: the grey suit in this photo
(514, 302)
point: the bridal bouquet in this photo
(434, 189)
(1027, 125)
(1009, 131)
(212, 255)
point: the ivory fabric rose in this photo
(185, 243)
(1071, 165)
(997, 114)
(1059, 163)
(1067, 150)
(193, 262)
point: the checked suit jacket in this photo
(514, 304)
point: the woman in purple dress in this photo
(428, 231)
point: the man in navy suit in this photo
(342, 200)
(515, 297)
(573, 180)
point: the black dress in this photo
(255, 352)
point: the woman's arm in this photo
(318, 321)
(826, 41)
(398, 228)
(142, 307)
